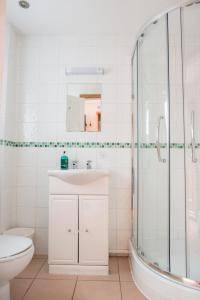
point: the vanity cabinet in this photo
(78, 230)
(93, 230)
(63, 234)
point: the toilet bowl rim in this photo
(18, 255)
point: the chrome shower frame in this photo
(165, 274)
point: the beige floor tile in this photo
(18, 288)
(51, 290)
(130, 292)
(32, 269)
(124, 269)
(40, 256)
(44, 274)
(113, 272)
(97, 290)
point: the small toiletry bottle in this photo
(64, 161)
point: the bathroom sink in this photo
(79, 176)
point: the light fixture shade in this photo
(84, 71)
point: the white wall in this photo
(41, 109)
(40, 112)
(8, 131)
(2, 36)
(2, 49)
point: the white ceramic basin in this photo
(79, 176)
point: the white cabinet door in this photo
(93, 230)
(63, 229)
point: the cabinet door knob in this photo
(86, 230)
(69, 230)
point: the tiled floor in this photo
(35, 283)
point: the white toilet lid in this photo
(22, 231)
(12, 245)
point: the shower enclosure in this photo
(166, 154)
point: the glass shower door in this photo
(134, 162)
(153, 145)
(191, 67)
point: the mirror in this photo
(84, 107)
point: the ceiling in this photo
(84, 16)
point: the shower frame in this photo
(165, 274)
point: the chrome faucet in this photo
(74, 164)
(89, 164)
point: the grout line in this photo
(33, 279)
(28, 287)
(98, 280)
(118, 268)
(120, 290)
(75, 287)
(119, 278)
(40, 269)
(37, 256)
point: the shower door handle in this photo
(158, 145)
(193, 142)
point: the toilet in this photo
(21, 231)
(15, 254)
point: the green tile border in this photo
(162, 145)
(64, 144)
(10, 143)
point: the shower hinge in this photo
(156, 264)
(141, 252)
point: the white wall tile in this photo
(47, 112)
(48, 52)
(42, 176)
(46, 157)
(123, 237)
(61, 112)
(26, 157)
(124, 113)
(48, 93)
(113, 240)
(42, 215)
(41, 90)
(48, 131)
(124, 219)
(124, 93)
(25, 216)
(113, 219)
(26, 74)
(26, 196)
(27, 131)
(27, 93)
(41, 241)
(110, 93)
(27, 112)
(109, 113)
(123, 199)
(42, 197)
(26, 176)
(113, 198)
(28, 56)
(124, 176)
(49, 74)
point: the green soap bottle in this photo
(64, 161)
